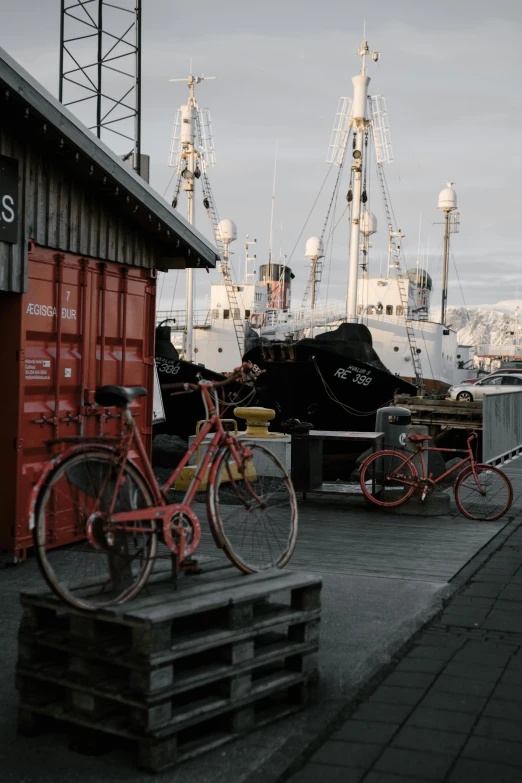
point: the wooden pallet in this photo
(175, 672)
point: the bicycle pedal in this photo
(190, 566)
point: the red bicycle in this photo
(388, 478)
(96, 516)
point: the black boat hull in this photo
(182, 413)
(308, 381)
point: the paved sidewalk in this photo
(451, 707)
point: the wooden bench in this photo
(307, 460)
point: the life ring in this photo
(256, 320)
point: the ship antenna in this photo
(359, 123)
(272, 210)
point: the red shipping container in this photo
(83, 323)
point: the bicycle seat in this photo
(120, 396)
(419, 438)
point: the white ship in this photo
(395, 307)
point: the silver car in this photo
(494, 383)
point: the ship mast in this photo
(360, 123)
(188, 135)
(190, 162)
(448, 205)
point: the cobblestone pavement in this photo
(451, 707)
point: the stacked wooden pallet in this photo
(176, 671)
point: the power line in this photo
(309, 214)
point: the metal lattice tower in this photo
(100, 70)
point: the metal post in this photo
(62, 30)
(445, 270)
(314, 262)
(98, 96)
(190, 289)
(351, 294)
(137, 121)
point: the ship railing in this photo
(499, 349)
(201, 319)
(304, 318)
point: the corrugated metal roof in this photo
(155, 216)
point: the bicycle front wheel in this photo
(485, 498)
(255, 510)
(386, 478)
(82, 486)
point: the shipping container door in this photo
(54, 311)
(122, 329)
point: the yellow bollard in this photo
(257, 420)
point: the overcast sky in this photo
(450, 71)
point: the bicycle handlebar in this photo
(183, 387)
(243, 372)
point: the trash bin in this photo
(393, 421)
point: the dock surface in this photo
(384, 577)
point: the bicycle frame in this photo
(421, 449)
(162, 508)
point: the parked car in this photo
(493, 383)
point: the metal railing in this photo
(292, 320)
(498, 349)
(501, 426)
(201, 318)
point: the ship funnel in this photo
(447, 198)
(314, 248)
(227, 231)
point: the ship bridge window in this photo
(389, 309)
(215, 313)
(399, 310)
(226, 313)
(247, 313)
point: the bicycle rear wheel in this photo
(487, 500)
(382, 477)
(255, 512)
(85, 576)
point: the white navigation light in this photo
(227, 231)
(314, 248)
(447, 198)
(368, 223)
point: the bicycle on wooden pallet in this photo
(390, 477)
(96, 516)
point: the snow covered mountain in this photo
(485, 324)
